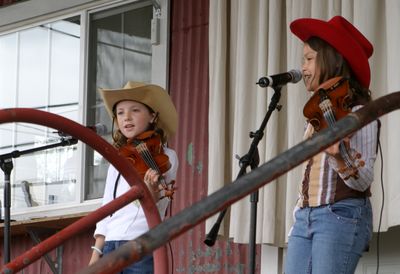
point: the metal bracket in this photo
(155, 31)
(55, 265)
(156, 5)
(155, 23)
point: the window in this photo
(40, 70)
(120, 49)
(50, 67)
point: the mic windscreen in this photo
(296, 75)
(100, 129)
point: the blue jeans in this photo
(329, 239)
(144, 266)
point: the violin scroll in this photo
(352, 171)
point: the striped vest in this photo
(321, 185)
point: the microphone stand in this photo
(7, 166)
(250, 159)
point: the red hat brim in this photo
(342, 36)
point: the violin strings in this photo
(148, 158)
(330, 118)
(144, 151)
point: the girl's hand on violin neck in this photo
(334, 150)
(151, 177)
(151, 180)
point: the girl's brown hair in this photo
(332, 64)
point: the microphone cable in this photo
(381, 212)
(169, 214)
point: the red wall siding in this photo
(6, 2)
(75, 253)
(189, 89)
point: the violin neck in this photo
(149, 160)
(144, 152)
(330, 118)
(348, 160)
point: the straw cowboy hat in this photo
(151, 95)
(344, 37)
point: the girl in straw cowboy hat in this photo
(333, 219)
(140, 112)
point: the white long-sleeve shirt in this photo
(130, 222)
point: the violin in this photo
(146, 151)
(332, 102)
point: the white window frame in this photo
(12, 19)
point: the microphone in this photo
(99, 128)
(280, 79)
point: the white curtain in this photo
(250, 39)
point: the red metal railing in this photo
(138, 191)
(159, 235)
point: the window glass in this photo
(33, 67)
(8, 68)
(120, 50)
(64, 69)
(40, 70)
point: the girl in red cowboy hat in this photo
(142, 113)
(333, 216)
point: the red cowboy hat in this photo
(344, 37)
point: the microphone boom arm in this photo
(16, 153)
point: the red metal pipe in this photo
(90, 138)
